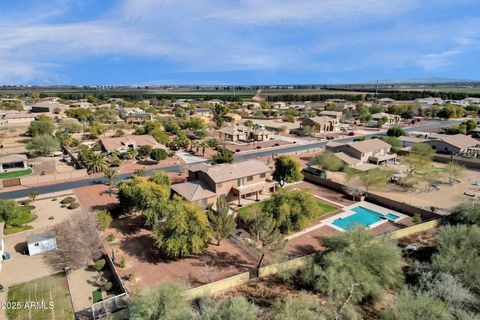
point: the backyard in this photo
(50, 294)
(322, 208)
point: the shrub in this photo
(110, 238)
(108, 286)
(103, 219)
(54, 199)
(73, 205)
(99, 264)
(158, 154)
(68, 200)
(132, 276)
(122, 262)
(417, 218)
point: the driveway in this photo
(188, 157)
(22, 267)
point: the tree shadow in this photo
(223, 259)
(302, 250)
(141, 247)
(147, 162)
(128, 224)
(21, 248)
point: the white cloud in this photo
(311, 11)
(237, 35)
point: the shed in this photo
(41, 242)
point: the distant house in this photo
(374, 151)
(429, 101)
(235, 181)
(385, 101)
(135, 115)
(19, 118)
(122, 144)
(242, 133)
(391, 118)
(408, 141)
(454, 144)
(322, 124)
(41, 242)
(48, 107)
(207, 112)
(13, 162)
(337, 115)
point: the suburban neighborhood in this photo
(245, 160)
(108, 198)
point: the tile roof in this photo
(114, 143)
(369, 145)
(460, 141)
(193, 190)
(227, 172)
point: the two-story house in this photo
(236, 181)
(242, 133)
(374, 151)
(322, 124)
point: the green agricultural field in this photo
(15, 174)
(50, 295)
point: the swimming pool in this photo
(362, 217)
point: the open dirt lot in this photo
(135, 244)
(447, 196)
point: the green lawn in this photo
(425, 171)
(323, 208)
(96, 296)
(52, 289)
(15, 174)
(247, 211)
(20, 223)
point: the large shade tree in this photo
(184, 229)
(287, 169)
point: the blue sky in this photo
(147, 42)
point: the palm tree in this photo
(96, 163)
(203, 145)
(110, 174)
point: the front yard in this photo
(50, 295)
(20, 223)
(15, 174)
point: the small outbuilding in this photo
(42, 242)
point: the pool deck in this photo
(347, 211)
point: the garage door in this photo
(11, 182)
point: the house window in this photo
(262, 175)
(240, 182)
(249, 178)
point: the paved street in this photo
(178, 168)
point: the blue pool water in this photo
(362, 217)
